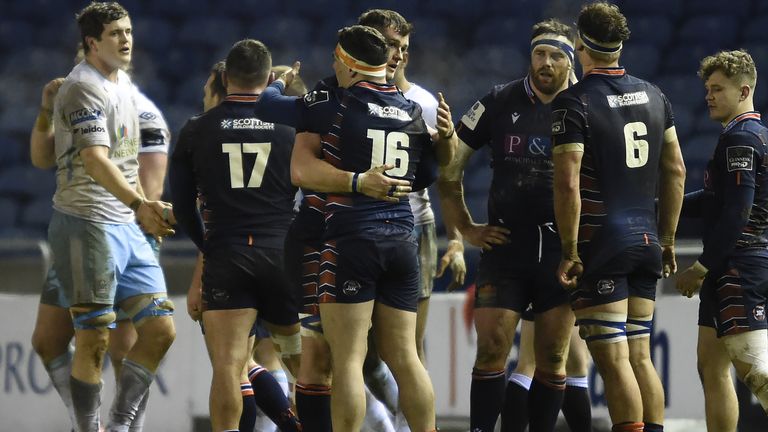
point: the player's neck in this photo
(744, 107)
(587, 68)
(402, 83)
(360, 77)
(235, 89)
(105, 69)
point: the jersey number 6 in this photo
(637, 149)
(390, 149)
(235, 152)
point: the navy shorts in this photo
(383, 265)
(633, 272)
(243, 277)
(522, 273)
(733, 301)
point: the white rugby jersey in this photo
(155, 135)
(90, 111)
(420, 205)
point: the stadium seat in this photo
(247, 10)
(26, 182)
(36, 214)
(734, 8)
(682, 90)
(706, 126)
(654, 30)
(9, 212)
(684, 122)
(641, 60)
(211, 32)
(10, 152)
(504, 31)
(179, 8)
(634, 8)
(713, 30)
(284, 33)
(697, 151)
(531, 9)
(684, 58)
(20, 120)
(154, 34)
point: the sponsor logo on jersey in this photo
(84, 114)
(316, 97)
(148, 115)
(759, 313)
(90, 129)
(627, 99)
(351, 287)
(740, 158)
(515, 116)
(558, 121)
(605, 286)
(513, 145)
(247, 123)
(472, 116)
(539, 146)
(387, 112)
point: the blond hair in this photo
(736, 65)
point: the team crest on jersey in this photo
(558, 121)
(627, 99)
(83, 115)
(387, 112)
(316, 97)
(351, 287)
(740, 158)
(148, 115)
(472, 116)
(246, 123)
(759, 313)
(605, 286)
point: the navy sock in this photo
(270, 398)
(577, 408)
(248, 416)
(514, 415)
(544, 400)
(314, 405)
(486, 398)
(653, 427)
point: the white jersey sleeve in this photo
(420, 204)
(155, 135)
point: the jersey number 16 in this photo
(236, 168)
(390, 149)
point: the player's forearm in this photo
(41, 143)
(445, 149)
(567, 211)
(107, 175)
(321, 176)
(275, 107)
(152, 168)
(455, 213)
(672, 187)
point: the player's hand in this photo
(151, 215)
(689, 281)
(453, 258)
(195, 299)
(444, 119)
(568, 273)
(288, 76)
(376, 184)
(668, 260)
(485, 236)
(49, 93)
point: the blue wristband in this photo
(354, 181)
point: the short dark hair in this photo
(551, 26)
(217, 85)
(603, 22)
(364, 43)
(92, 18)
(381, 19)
(248, 63)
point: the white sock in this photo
(376, 415)
(59, 370)
(523, 381)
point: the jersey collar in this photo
(529, 89)
(383, 88)
(607, 71)
(749, 115)
(242, 97)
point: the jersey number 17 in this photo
(236, 168)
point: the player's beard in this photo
(553, 84)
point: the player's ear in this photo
(224, 80)
(745, 91)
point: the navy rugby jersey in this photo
(239, 167)
(517, 126)
(735, 201)
(621, 120)
(370, 125)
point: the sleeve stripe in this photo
(567, 148)
(670, 134)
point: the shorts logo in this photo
(84, 114)
(627, 99)
(759, 313)
(558, 121)
(472, 116)
(740, 158)
(219, 295)
(147, 115)
(351, 287)
(605, 286)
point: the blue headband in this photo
(562, 46)
(595, 46)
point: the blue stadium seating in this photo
(734, 8)
(713, 30)
(10, 152)
(37, 214)
(654, 30)
(9, 212)
(26, 182)
(634, 8)
(682, 90)
(684, 121)
(641, 60)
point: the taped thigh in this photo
(603, 327)
(752, 348)
(639, 326)
(150, 305)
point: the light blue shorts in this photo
(102, 263)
